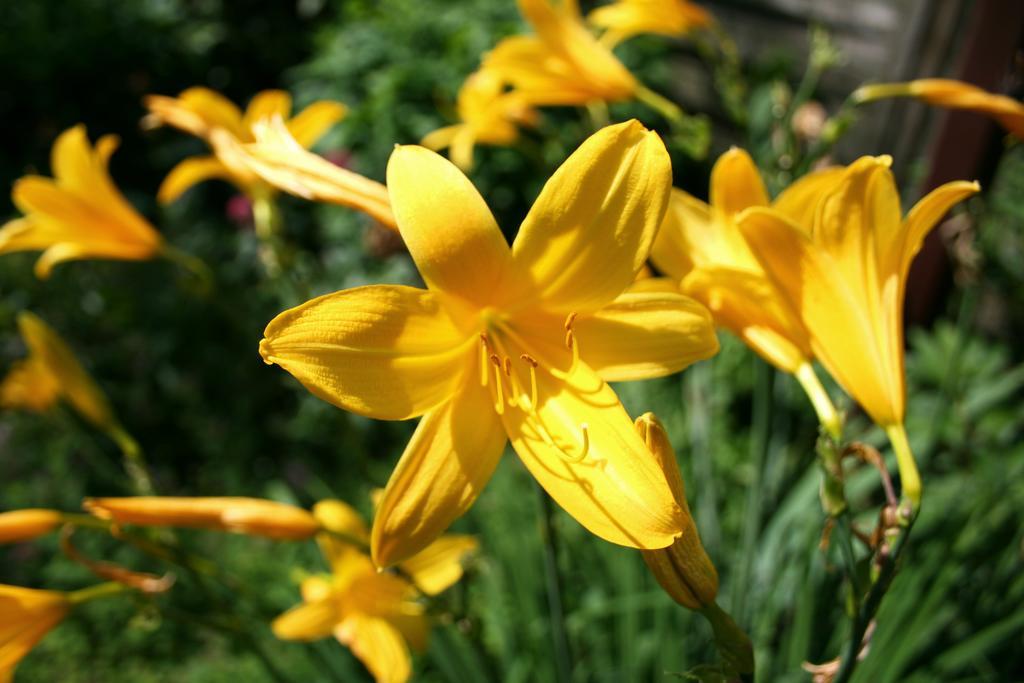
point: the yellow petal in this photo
(310, 124)
(28, 615)
(843, 333)
(29, 385)
(24, 234)
(197, 111)
(386, 351)
(442, 137)
(439, 565)
(541, 77)
(450, 458)
(340, 518)
(799, 201)
(309, 621)
(461, 150)
(24, 525)
(267, 105)
(736, 183)
(920, 220)
(564, 34)
(750, 306)
(590, 230)
(75, 383)
(581, 446)
(281, 161)
(190, 172)
(230, 513)
(446, 225)
(654, 285)
(378, 645)
(645, 335)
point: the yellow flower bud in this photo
(683, 569)
(243, 515)
(24, 525)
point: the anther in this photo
(569, 320)
(508, 366)
(532, 362)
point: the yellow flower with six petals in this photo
(378, 615)
(563, 64)
(846, 277)
(79, 213)
(700, 246)
(212, 117)
(511, 343)
(489, 114)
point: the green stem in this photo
(910, 479)
(661, 104)
(100, 590)
(843, 532)
(869, 607)
(598, 113)
(134, 462)
(759, 442)
(553, 582)
(732, 643)
(828, 416)
(194, 265)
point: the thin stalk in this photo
(869, 608)
(828, 416)
(910, 479)
(134, 461)
(553, 583)
(696, 384)
(194, 265)
(842, 531)
(598, 113)
(98, 591)
(759, 442)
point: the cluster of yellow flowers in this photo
(505, 343)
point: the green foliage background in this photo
(184, 374)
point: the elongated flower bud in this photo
(683, 569)
(243, 515)
(24, 525)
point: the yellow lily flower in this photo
(52, 372)
(24, 525)
(376, 614)
(683, 569)
(253, 516)
(28, 615)
(563, 64)
(281, 161)
(511, 343)
(700, 246)
(78, 214)
(626, 18)
(212, 117)
(489, 115)
(945, 92)
(846, 278)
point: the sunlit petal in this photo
(440, 564)
(645, 335)
(591, 228)
(450, 458)
(379, 646)
(446, 225)
(310, 124)
(581, 446)
(736, 183)
(386, 351)
(189, 172)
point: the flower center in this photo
(513, 377)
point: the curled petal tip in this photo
(267, 351)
